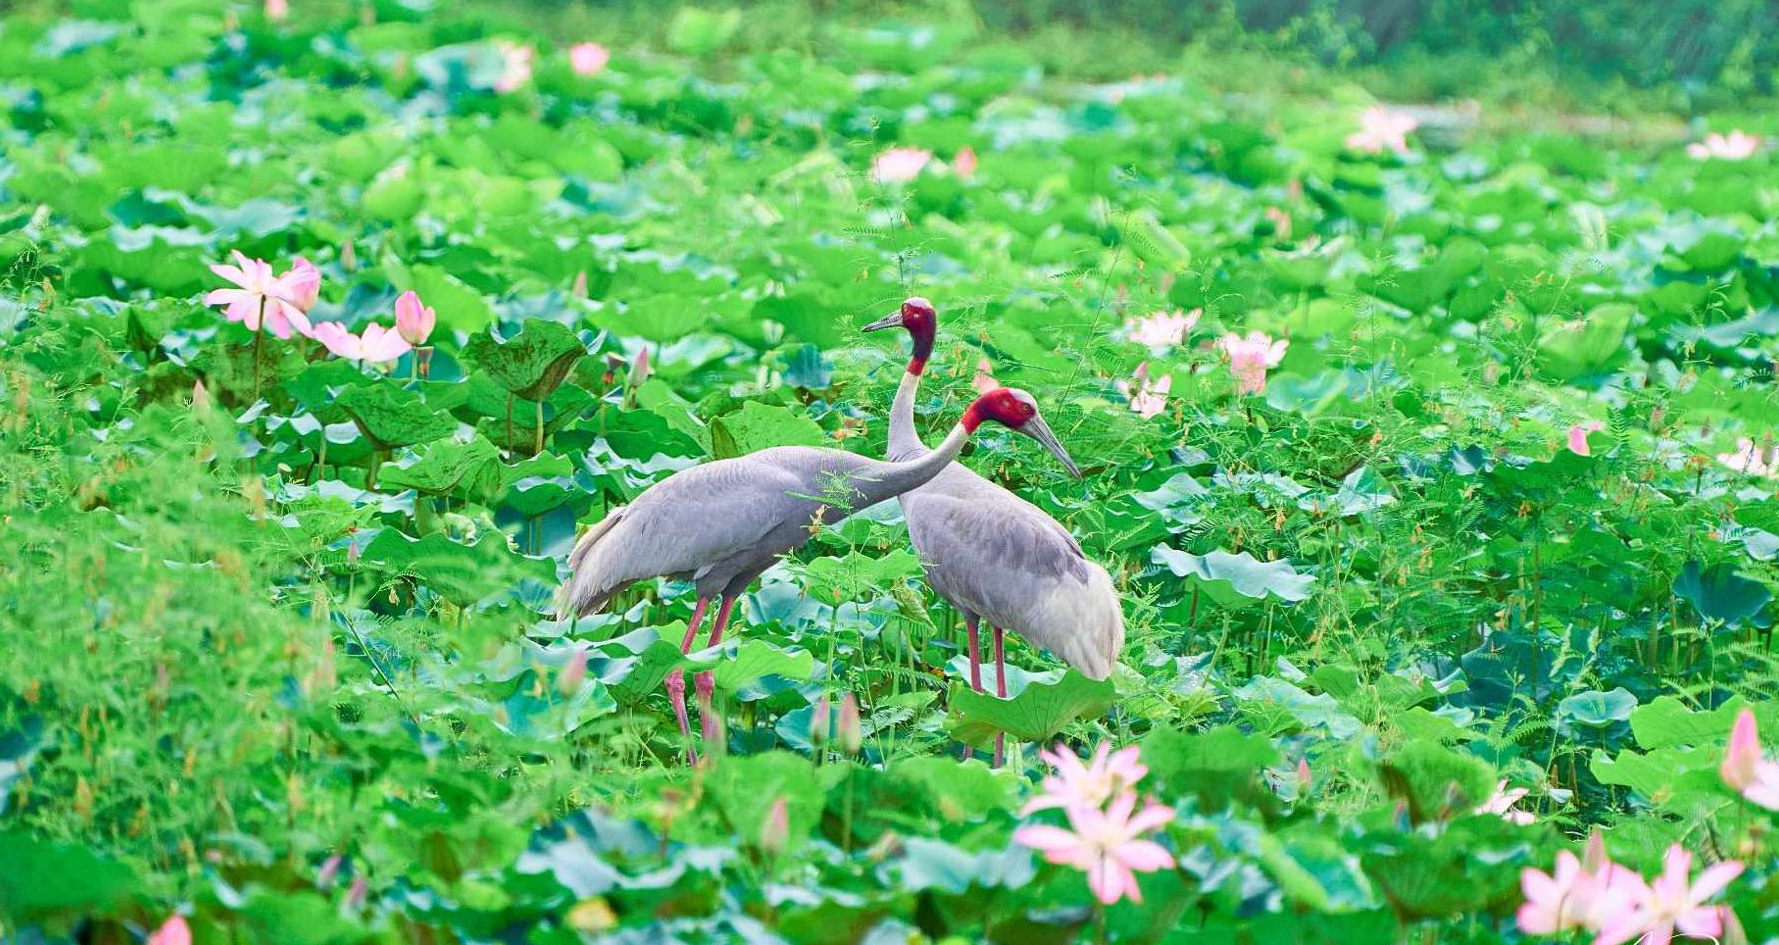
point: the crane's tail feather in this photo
(586, 591)
(1092, 625)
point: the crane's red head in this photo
(916, 315)
(1017, 411)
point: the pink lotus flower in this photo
(200, 398)
(964, 162)
(414, 321)
(1580, 894)
(775, 830)
(1281, 222)
(303, 282)
(174, 931)
(899, 165)
(376, 345)
(573, 673)
(852, 730)
(1578, 436)
(1755, 461)
(1092, 784)
(588, 59)
(1383, 127)
(984, 381)
(277, 9)
(1162, 329)
(1147, 397)
(1736, 146)
(1501, 804)
(579, 289)
(1674, 901)
(259, 297)
(1744, 768)
(1107, 845)
(515, 67)
(1250, 358)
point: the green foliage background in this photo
(285, 663)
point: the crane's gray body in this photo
(993, 555)
(721, 524)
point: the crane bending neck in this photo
(897, 478)
(903, 439)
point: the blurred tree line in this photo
(1730, 44)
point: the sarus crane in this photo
(992, 555)
(720, 524)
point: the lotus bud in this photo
(852, 735)
(775, 830)
(819, 722)
(569, 682)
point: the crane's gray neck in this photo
(903, 439)
(888, 480)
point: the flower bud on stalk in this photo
(775, 831)
(852, 736)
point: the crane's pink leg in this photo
(975, 667)
(707, 683)
(1000, 685)
(676, 680)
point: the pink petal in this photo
(1046, 838)
(1701, 923)
(1743, 754)
(1714, 879)
(1623, 929)
(172, 932)
(1143, 855)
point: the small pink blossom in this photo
(1674, 901)
(303, 283)
(1147, 397)
(588, 59)
(414, 321)
(1251, 357)
(200, 397)
(1094, 783)
(174, 931)
(639, 367)
(775, 830)
(984, 381)
(852, 730)
(376, 345)
(573, 673)
(1745, 769)
(277, 9)
(1163, 329)
(1579, 894)
(259, 297)
(1578, 436)
(1754, 460)
(899, 165)
(515, 67)
(964, 162)
(1381, 127)
(1281, 222)
(1502, 802)
(1738, 145)
(579, 289)
(1107, 845)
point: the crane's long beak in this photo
(892, 320)
(1038, 430)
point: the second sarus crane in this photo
(992, 555)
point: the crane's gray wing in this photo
(994, 555)
(980, 548)
(695, 523)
